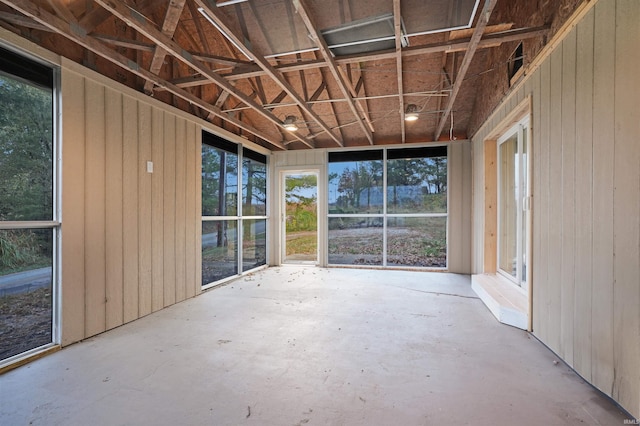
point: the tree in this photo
(26, 151)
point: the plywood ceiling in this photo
(344, 71)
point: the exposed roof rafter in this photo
(303, 10)
(270, 71)
(483, 20)
(134, 19)
(80, 36)
(174, 10)
(491, 40)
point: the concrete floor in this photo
(309, 346)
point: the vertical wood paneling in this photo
(467, 203)
(568, 142)
(555, 203)
(583, 199)
(541, 291)
(198, 164)
(144, 209)
(454, 239)
(113, 219)
(626, 292)
(603, 131)
(95, 286)
(477, 196)
(490, 192)
(180, 211)
(169, 207)
(536, 193)
(586, 183)
(157, 210)
(126, 233)
(73, 210)
(130, 209)
(192, 214)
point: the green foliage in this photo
(301, 189)
(219, 182)
(302, 244)
(302, 217)
(26, 151)
(22, 249)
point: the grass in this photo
(302, 244)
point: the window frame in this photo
(25, 61)
(385, 215)
(521, 129)
(238, 218)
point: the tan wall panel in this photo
(626, 204)
(568, 191)
(114, 245)
(180, 210)
(586, 189)
(554, 195)
(73, 177)
(583, 197)
(198, 198)
(603, 103)
(130, 208)
(144, 210)
(459, 205)
(169, 203)
(157, 210)
(95, 209)
(124, 229)
(542, 302)
(193, 215)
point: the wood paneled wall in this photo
(586, 198)
(130, 239)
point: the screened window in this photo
(234, 199)
(28, 216)
(388, 207)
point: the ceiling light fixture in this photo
(411, 114)
(290, 123)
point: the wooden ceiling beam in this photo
(125, 42)
(421, 94)
(63, 11)
(397, 26)
(134, 19)
(93, 18)
(171, 17)
(195, 16)
(303, 11)
(362, 109)
(483, 21)
(78, 35)
(149, 47)
(22, 21)
(220, 21)
(318, 91)
(490, 40)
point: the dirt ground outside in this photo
(405, 247)
(25, 321)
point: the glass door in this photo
(512, 204)
(300, 217)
